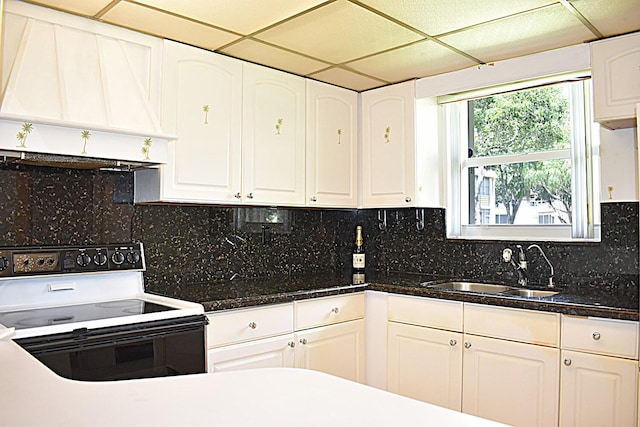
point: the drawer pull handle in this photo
(253, 325)
(303, 341)
(567, 362)
(335, 310)
(595, 336)
(291, 344)
(467, 345)
(453, 342)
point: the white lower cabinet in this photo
(599, 380)
(335, 349)
(329, 336)
(510, 382)
(276, 352)
(425, 364)
(597, 390)
(498, 371)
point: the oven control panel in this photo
(30, 261)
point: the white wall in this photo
(618, 160)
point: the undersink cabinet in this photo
(202, 104)
(598, 372)
(273, 137)
(332, 146)
(615, 67)
(493, 362)
(328, 336)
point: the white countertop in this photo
(31, 394)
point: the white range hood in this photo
(80, 88)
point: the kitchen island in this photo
(32, 395)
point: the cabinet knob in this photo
(595, 336)
(250, 196)
(335, 310)
(237, 195)
(291, 344)
(407, 199)
(467, 345)
(314, 199)
(253, 325)
(303, 341)
(453, 342)
(567, 362)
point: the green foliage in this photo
(521, 122)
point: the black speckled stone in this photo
(189, 257)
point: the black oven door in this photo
(141, 350)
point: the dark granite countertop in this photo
(594, 301)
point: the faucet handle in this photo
(506, 254)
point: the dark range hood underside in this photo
(69, 162)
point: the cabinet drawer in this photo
(249, 324)
(429, 312)
(535, 327)
(325, 311)
(603, 336)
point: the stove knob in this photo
(117, 258)
(4, 263)
(100, 258)
(133, 257)
(83, 260)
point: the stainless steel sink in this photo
(483, 288)
(531, 293)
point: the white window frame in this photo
(583, 155)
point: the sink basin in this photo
(531, 293)
(484, 288)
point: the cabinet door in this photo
(273, 143)
(616, 80)
(202, 101)
(510, 382)
(388, 146)
(332, 139)
(597, 390)
(336, 349)
(425, 364)
(277, 352)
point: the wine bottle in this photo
(358, 258)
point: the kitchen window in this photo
(522, 161)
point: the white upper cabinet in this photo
(388, 146)
(202, 105)
(400, 154)
(79, 83)
(615, 66)
(332, 146)
(273, 137)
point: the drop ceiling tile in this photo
(338, 32)
(260, 53)
(80, 7)
(241, 16)
(611, 17)
(421, 59)
(438, 17)
(545, 29)
(347, 79)
(168, 26)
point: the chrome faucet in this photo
(550, 284)
(521, 267)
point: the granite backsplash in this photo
(200, 244)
